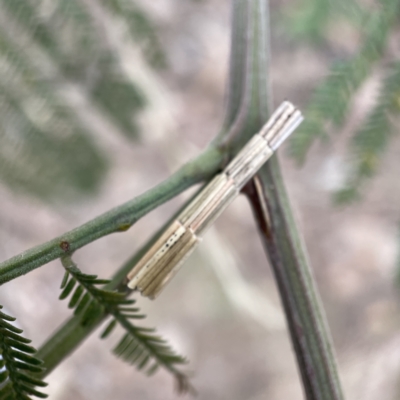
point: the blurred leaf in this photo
(140, 28)
(121, 100)
(310, 19)
(372, 139)
(332, 97)
(45, 46)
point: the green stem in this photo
(272, 212)
(303, 308)
(63, 342)
(116, 220)
(71, 334)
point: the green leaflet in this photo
(140, 28)
(332, 97)
(139, 346)
(45, 149)
(372, 139)
(17, 361)
(309, 19)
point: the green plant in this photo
(331, 101)
(17, 363)
(139, 346)
(249, 104)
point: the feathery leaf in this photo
(15, 357)
(309, 18)
(332, 98)
(45, 148)
(139, 346)
(140, 28)
(372, 139)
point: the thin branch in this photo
(303, 308)
(272, 212)
(248, 92)
(118, 219)
(71, 334)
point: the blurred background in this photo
(100, 100)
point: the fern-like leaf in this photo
(332, 98)
(140, 28)
(17, 360)
(46, 148)
(308, 19)
(139, 346)
(372, 139)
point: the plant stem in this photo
(305, 318)
(71, 334)
(272, 212)
(118, 219)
